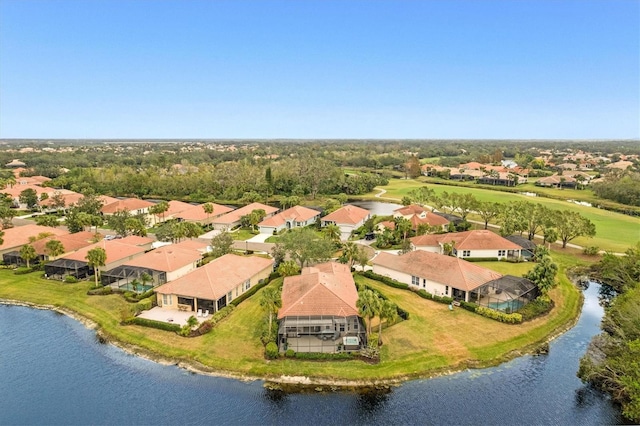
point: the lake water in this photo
(53, 371)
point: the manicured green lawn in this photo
(243, 234)
(433, 339)
(614, 231)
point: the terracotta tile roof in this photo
(348, 214)
(294, 214)
(235, 215)
(218, 277)
(176, 206)
(15, 190)
(325, 289)
(197, 214)
(19, 235)
(115, 249)
(70, 242)
(197, 245)
(446, 270)
(414, 211)
(135, 240)
(555, 180)
(168, 258)
(388, 224)
(410, 209)
(128, 204)
(469, 240)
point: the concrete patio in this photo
(170, 316)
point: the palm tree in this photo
(368, 304)
(145, 278)
(54, 248)
(403, 226)
(332, 232)
(134, 285)
(208, 209)
(28, 253)
(388, 312)
(96, 258)
(349, 252)
(270, 302)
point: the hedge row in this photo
(386, 280)
(499, 316)
(440, 299)
(145, 304)
(154, 324)
(238, 300)
(481, 259)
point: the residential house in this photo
(163, 264)
(197, 214)
(478, 244)
(557, 181)
(528, 247)
(418, 215)
(319, 312)
(232, 219)
(213, 286)
(135, 206)
(294, 217)
(348, 218)
(15, 163)
(15, 238)
(437, 274)
(118, 251)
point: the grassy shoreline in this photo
(427, 345)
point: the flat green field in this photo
(614, 231)
(432, 340)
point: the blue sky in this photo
(320, 69)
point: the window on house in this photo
(501, 253)
(166, 299)
(247, 285)
(446, 290)
(341, 327)
(229, 295)
(466, 253)
(415, 280)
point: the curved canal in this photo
(54, 371)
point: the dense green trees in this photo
(620, 186)
(221, 244)
(29, 197)
(612, 361)
(304, 245)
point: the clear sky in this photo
(320, 69)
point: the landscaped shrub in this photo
(221, 314)
(440, 299)
(101, 291)
(324, 356)
(290, 353)
(515, 318)
(145, 304)
(271, 350)
(238, 300)
(481, 259)
(386, 280)
(534, 309)
(23, 270)
(70, 279)
(154, 324)
(591, 251)
(471, 307)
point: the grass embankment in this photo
(614, 231)
(434, 339)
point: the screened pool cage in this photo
(13, 258)
(60, 268)
(506, 294)
(328, 334)
(122, 277)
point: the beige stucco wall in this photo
(430, 286)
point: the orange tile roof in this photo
(324, 289)
(15, 190)
(115, 249)
(295, 214)
(235, 215)
(128, 204)
(218, 277)
(197, 214)
(18, 236)
(469, 240)
(414, 210)
(197, 245)
(70, 242)
(446, 270)
(135, 240)
(168, 258)
(348, 214)
(176, 206)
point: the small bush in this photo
(101, 291)
(154, 324)
(271, 350)
(471, 307)
(23, 270)
(290, 353)
(499, 316)
(70, 279)
(481, 259)
(536, 308)
(591, 251)
(144, 305)
(440, 299)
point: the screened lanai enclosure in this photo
(123, 277)
(506, 294)
(13, 258)
(60, 268)
(329, 334)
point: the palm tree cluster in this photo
(371, 305)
